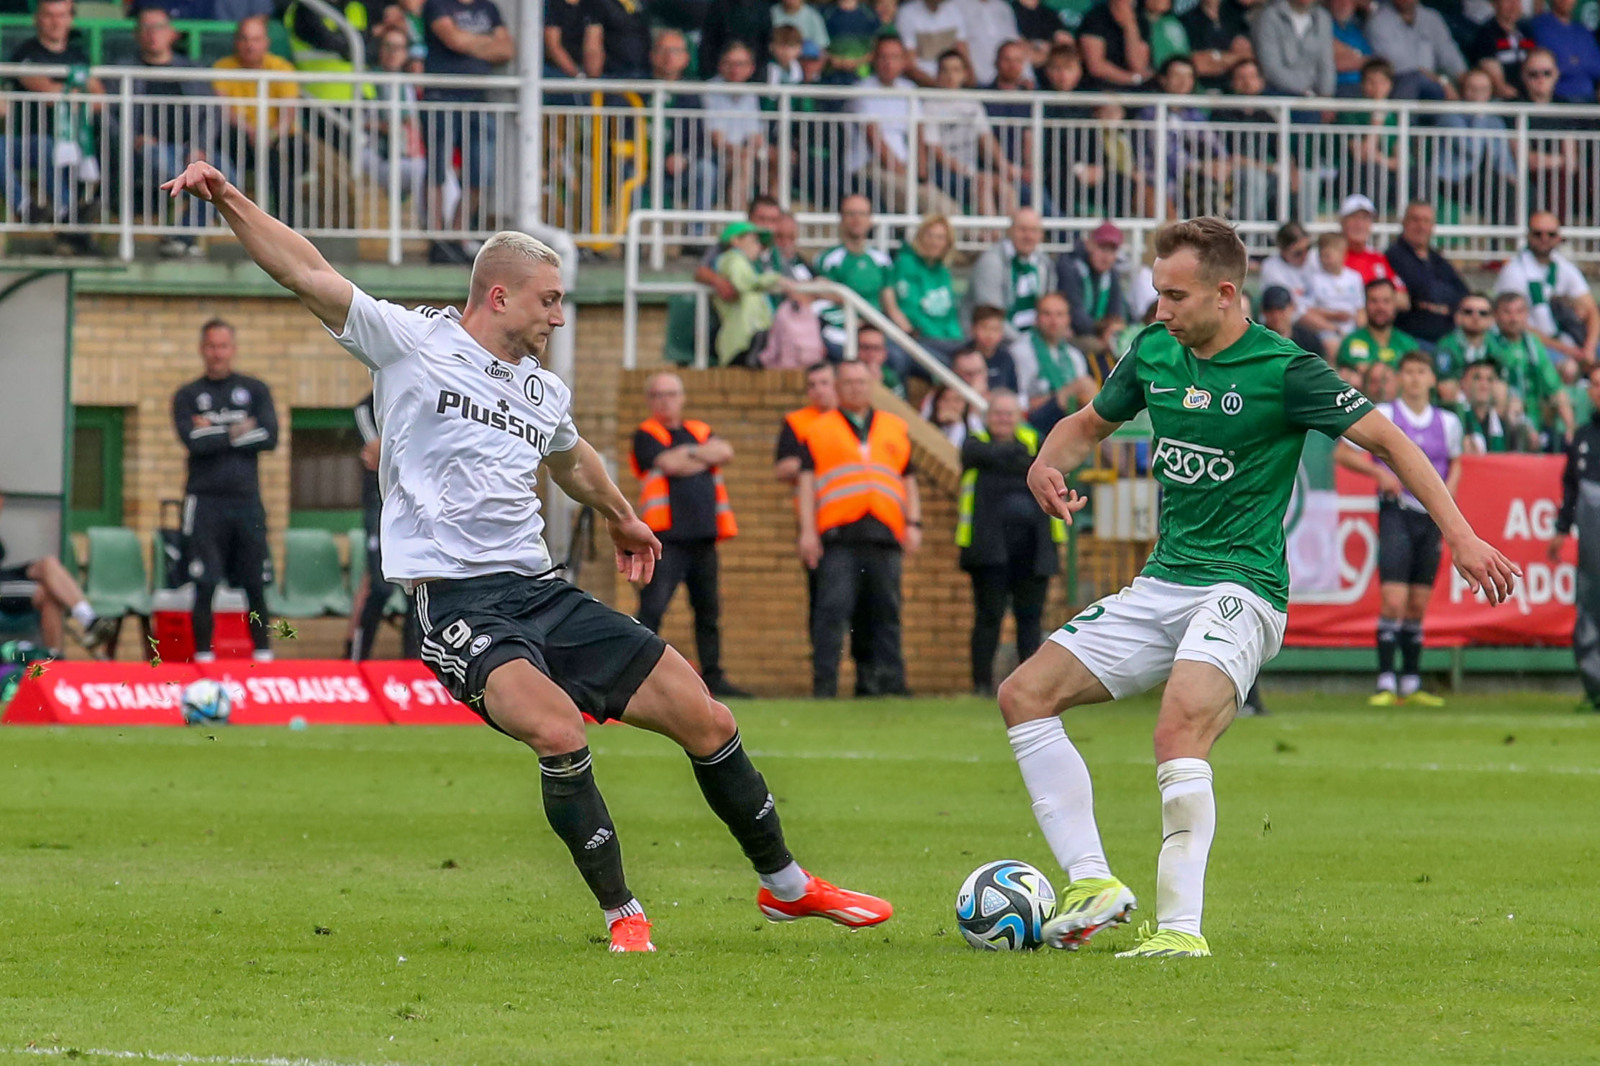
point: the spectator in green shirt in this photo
(856, 265)
(1529, 373)
(1168, 38)
(922, 300)
(1378, 341)
(748, 316)
(1462, 346)
(1482, 414)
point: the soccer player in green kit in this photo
(1230, 403)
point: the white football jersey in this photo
(463, 436)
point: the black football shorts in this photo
(1408, 545)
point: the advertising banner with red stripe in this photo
(410, 695)
(1511, 500)
(97, 693)
(319, 691)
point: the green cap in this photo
(739, 229)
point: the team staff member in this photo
(1009, 547)
(685, 503)
(1580, 506)
(225, 420)
(1408, 539)
(859, 512)
(379, 591)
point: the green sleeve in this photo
(1314, 397)
(1121, 397)
(1549, 379)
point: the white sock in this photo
(1188, 824)
(1058, 782)
(262, 655)
(205, 656)
(1386, 682)
(788, 884)
(1410, 683)
(614, 915)
(83, 614)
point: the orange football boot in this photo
(631, 934)
(822, 900)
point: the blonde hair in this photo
(507, 249)
(930, 221)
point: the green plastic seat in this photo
(679, 346)
(117, 583)
(313, 579)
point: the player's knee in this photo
(1022, 699)
(546, 734)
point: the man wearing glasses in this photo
(1552, 151)
(1463, 346)
(1561, 310)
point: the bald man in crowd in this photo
(683, 500)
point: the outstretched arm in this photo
(288, 258)
(1069, 444)
(582, 475)
(1484, 567)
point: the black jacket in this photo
(1081, 287)
(1433, 281)
(1001, 498)
(220, 465)
(1583, 464)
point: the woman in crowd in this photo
(922, 300)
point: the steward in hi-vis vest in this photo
(684, 501)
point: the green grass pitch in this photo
(1406, 887)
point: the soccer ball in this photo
(206, 702)
(1002, 906)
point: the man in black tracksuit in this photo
(225, 420)
(1580, 506)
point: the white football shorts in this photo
(1130, 640)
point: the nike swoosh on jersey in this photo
(1158, 388)
(1224, 640)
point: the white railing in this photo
(443, 169)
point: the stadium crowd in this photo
(971, 156)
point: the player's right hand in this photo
(1486, 569)
(1050, 491)
(199, 179)
(637, 550)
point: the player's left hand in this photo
(1485, 568)
(637, 549)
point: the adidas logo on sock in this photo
(766, 808)
(600, 837)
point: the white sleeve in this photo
(1506, 281)
(1569, 281)
(380, 333)
(565, 438)
(1452, 433)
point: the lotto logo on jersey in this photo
(1196, 399)
(1187, 463)
(495, 416)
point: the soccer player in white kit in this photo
(467, 416)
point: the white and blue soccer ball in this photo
(1002, 906)
(206, 702)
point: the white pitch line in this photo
(181, 1057)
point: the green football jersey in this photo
(1362, 348)
(1227, 432)
(868, 273)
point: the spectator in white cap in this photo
(1355, 222)
(1089, 280)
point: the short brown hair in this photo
(986, 313)
(787, 36)
(1064, 53)
(1214, 242)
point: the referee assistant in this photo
(684, 502)
(225, 420)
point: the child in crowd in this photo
(1334, 290)
(989, 341)
(784, 47)
(748, 316)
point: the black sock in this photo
(1388, 635)
(738, 794)
(1410, 648)
(578, 814)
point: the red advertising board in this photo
(409, 694)
(1512, 501)
(97, 693)
(320, 691)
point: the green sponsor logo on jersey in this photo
(1187, 463)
